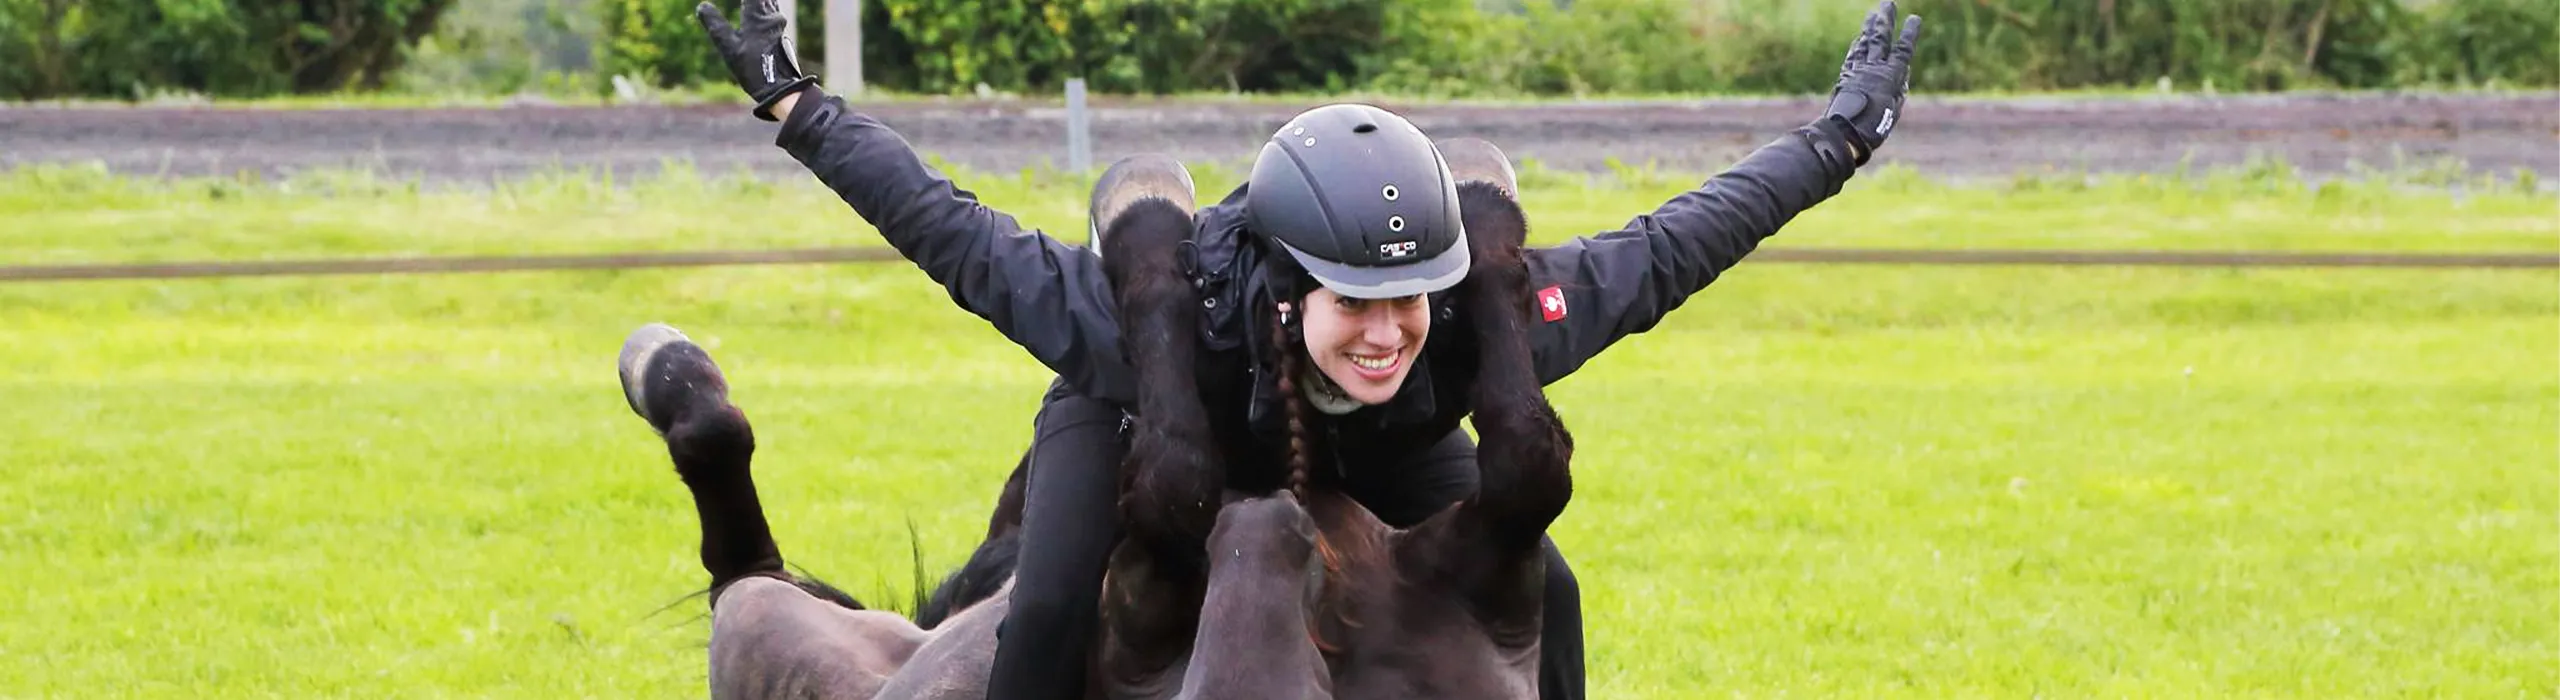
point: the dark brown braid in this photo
(1294, 405)
(1298, 459)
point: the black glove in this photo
(758, 52)
(1868, 99)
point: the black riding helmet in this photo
(1361, 200)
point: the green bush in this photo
(1549, 47)
(1651, 46)
(1633, 46)
(2238, 44)
(507, 47)
(2468, 42)
(659, 41)
(947, 46)
(1141, 45)
(951, 45)
(127, 48)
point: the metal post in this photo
(1079, 130)
(844, 45)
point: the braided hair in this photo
(1290, 286)
(1293, 405)
(1287, 347)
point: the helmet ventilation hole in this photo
(1364, 128)
(1395, 223)
(1390, 193)
(1311, 141)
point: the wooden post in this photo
(844, 45)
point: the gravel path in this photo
(2322, 135)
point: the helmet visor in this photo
(1425, 276)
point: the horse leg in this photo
(673, 384)
(1560, 664)
(1490, 544)
(1173, 485)
(1524, 461)
(1175, 489)
(1526, 454)
(773, 634)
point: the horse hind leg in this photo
(673, 384)
(773, 635)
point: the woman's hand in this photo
(1868, 99)
(759, 55)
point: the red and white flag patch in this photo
(1551, 303)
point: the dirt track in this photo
(1961, 138)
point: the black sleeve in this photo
(1595, 290)
(1047, 296)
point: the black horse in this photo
(1297, 593)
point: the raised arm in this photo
(1595, 290)
(1047, 296)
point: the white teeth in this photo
(1380, 362)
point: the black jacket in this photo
(1053, 300)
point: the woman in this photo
(1320, 272)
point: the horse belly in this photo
(955, 663)
(771, 639)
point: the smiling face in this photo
(1366, 346)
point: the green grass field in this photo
(1813, 481)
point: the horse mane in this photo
(973, 582)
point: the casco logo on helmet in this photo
(1399, 249)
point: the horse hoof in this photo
(1478, 160)
(663, 372)
(1132, 180)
